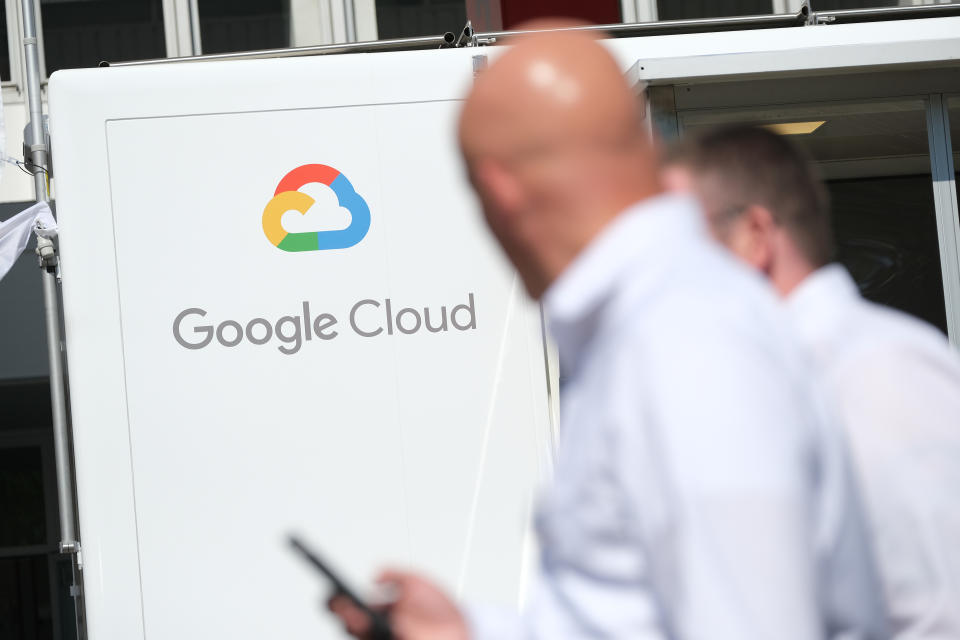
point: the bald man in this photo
(895, 379)
(697, 490)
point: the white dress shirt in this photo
(896, 382)
(697, 493)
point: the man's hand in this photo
(421, 611)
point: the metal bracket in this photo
(70, 547)
(811, 17)
(73, 548)
(467, 36)
(46, 253)
(30, 146)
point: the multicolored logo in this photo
(287, 197)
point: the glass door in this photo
(875, 159)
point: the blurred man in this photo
(696, 494)
(895, 379)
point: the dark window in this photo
(4, 47)
(243, 25)
(25, 611)
(411, 18)
(21, 497)
(26, 403)
(82, 33)
(673, 10)
(886, 232)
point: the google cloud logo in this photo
(287, 197)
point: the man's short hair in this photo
(738, 166)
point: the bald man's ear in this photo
(500, 191)
(751, 237)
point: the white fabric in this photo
(15, 233)
(896, 381)
(697, 493)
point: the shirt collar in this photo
(821, 300)
(634, 239)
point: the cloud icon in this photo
(325, 214)
(289, 198)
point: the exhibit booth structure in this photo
(284, 314)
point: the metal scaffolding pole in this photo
(47, 252)
(805, 16)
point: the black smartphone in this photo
(379, 626)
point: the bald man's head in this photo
(553, 142)
(550, 88)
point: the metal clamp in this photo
(73, 549)
(811, 17)
(468, 36)
(70, 547)
(46, 252)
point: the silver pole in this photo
(449, 39)
(804, 16)
(890, 13)
(51, 300)
(666, 26)
(397, 44)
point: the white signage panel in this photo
(315, 334)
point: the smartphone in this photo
(379, 626)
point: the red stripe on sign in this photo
(306, 174)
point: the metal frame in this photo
(489, 38)
(884, 13)
(800, 18)
(49, 269)
(38, 157)
(350, 20)
(181, 26)
(641, 10)
(176, 29)
(399, 44)
(948, 216)
(766, 20)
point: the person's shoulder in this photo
(716, 293)
(900, 326)
(878, 333)
(887, 351)
(709, 303)
(896, 384)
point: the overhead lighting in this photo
(794, 128)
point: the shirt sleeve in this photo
(493, 623)
(902, 411)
